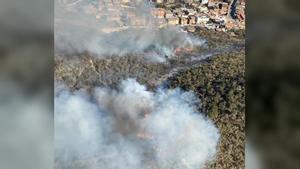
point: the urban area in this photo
(218, 15)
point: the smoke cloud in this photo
(117, 30)
(132, 128)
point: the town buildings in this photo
(210, 14)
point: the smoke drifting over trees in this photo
(132, 128)
(77, 32)
(128, 127)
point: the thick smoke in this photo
(78, 32)
(132, 128)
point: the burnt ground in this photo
(214, 72)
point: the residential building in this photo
(192, 20)
(184, 20)
(158, 12)
(173, 21)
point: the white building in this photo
(203, 9)
(202, 19)
(204, 2)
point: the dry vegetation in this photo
(87, 72)
(219, 82)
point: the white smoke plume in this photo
(117, 31)
(132, 128)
